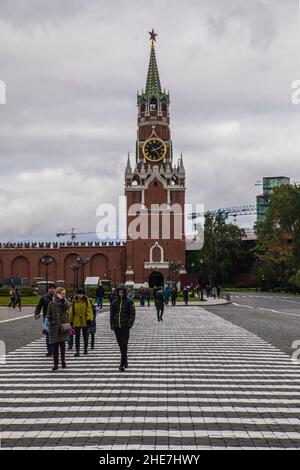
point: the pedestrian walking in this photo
(43, 306)
(58, 325)
(142, 297)
(174, 296)
(166, 294)
(122, 316)
(112, 296)
(130, 294)
(81, 315)
(11, 298)
(92, 327)
(148, 296)
(185, 296)
(100, 295)
(214, 292)
(159, 304)
(17, 299)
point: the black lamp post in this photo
(201, 261)
(174, 267)
(46, 261)
(83, 264)
(75, 267)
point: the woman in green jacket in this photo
(81, 315)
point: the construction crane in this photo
(227, 212)
(73, 234)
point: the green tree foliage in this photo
(221, 251)
(278, 239)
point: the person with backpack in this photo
(81, 315)
(122, 316)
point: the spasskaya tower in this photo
(155, 190)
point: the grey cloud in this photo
(72, 71)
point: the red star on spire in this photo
(152, 35)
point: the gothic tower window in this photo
(143, 107)
(153, 104)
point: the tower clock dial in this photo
(154, 149)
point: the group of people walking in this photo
(63, 320)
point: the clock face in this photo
(154, 149)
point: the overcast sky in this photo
(72, 70)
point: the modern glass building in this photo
(262, 201)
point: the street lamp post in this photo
(83, 263)
(201, 261)
(74, 268)
(46, 261)
(174, 267)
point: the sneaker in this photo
(49, 355)
(92, 346)
(70, 347)
(64, 365)
(122, 368)
(77, 354)
(85, 352)
(54, 368)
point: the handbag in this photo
(64, 327)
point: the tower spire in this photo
(153, 82)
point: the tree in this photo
(278, 239)
(221, 251)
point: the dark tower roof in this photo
(153, 86)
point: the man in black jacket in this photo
(43, 305)
(159, 304)
(122, 316)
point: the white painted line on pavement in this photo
(17, 318)
(269, 310)
(295, 436)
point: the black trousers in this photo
(173, 302)
(85, 335)
(55, 349)
(160, 312)
(122, 335)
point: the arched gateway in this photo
(156, 279)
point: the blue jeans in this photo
(100, 302)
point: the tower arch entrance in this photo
(156, 279)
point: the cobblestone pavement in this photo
(194, 381)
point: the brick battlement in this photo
(55, 245)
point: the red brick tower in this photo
(158, 257)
